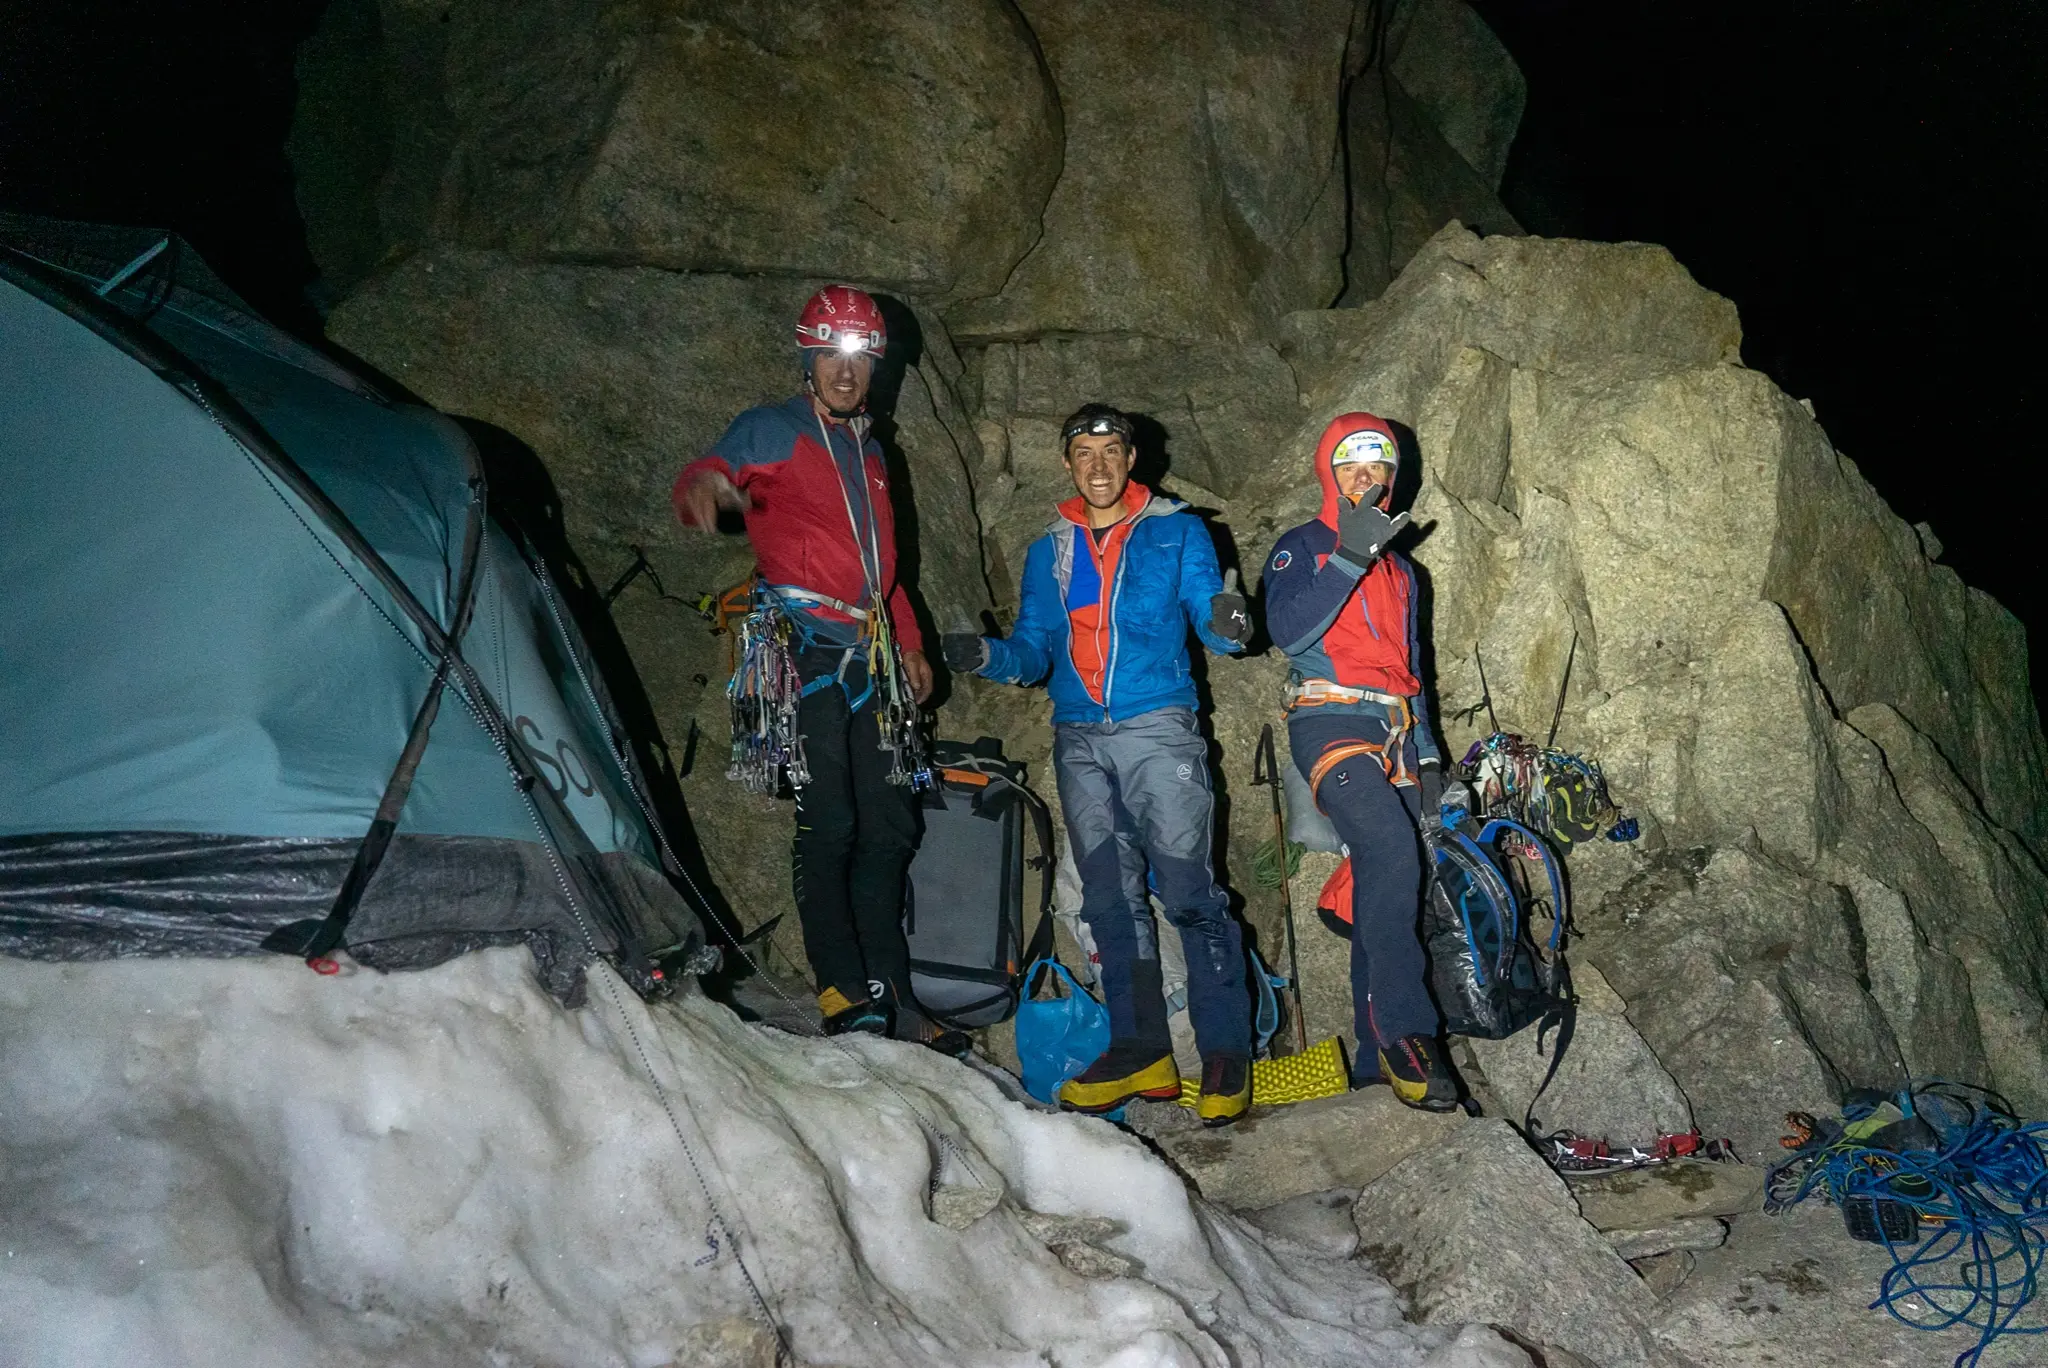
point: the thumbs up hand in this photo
(1229, 617)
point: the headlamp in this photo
(1100, 425)
(1366, 446)
(849, 343)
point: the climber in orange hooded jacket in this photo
(1342, 605)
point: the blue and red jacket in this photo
(817, 492)
(1349, 626)
(1110, 621)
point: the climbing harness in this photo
(1391, 754)
(767, 686)
(1953, 1185)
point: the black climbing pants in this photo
(855, 833)
(1378, 823)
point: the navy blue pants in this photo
(1379, 823)
(1143, 784)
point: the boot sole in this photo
(1217, 1122)
(1098, 1108)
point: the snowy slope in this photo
(212, 1162)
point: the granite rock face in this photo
(1451, 64)
(910, 145)
(1480, 1229)
(590, 229)
(1279, 1153)
(1607, 1084)
(1202, 191)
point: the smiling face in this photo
(840, 380)
(1101, 467)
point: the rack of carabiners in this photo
(901, 720)
(763, 694)
(766, 688)
(1547, 790)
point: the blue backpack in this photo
(1493, 926)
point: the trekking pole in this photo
(1485, 692)
(1562, 685)
(1266, 770)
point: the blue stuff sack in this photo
(1057, 1037)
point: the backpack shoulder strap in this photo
(1040, 944)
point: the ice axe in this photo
(1266, 770)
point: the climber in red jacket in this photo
(1342, 605)
(811, 483)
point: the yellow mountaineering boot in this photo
(1226, 1089)
(1121, 1073)
(1414, 1065)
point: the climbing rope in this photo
(1961, 1206)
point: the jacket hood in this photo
(1139, 501)
(1342, 426)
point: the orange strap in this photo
(1391, 754)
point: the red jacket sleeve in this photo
(908, 637)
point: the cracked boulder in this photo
(1608, 1084)
(1480, 1229)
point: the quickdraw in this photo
(762, 695)
(766, 688)
(1568, 1152)
(902, 720)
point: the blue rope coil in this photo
(1980, 1197)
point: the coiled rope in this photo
(1980, 1199)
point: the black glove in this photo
(1228, 616)
(1431, 778)
(964, 652)
(1363, 531)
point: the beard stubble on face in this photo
(1101, 471)
(839, 382)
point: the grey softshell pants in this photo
(1143, 785)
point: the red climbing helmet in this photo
(841, 318)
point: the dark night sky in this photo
(1860, 177)
(1863, 178)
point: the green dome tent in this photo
(273, 680)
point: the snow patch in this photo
(239, 1162)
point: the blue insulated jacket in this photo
(1161, 586)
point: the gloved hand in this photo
(1363, 531)
(965, 652)
(1229, 618)
(1430, 777)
